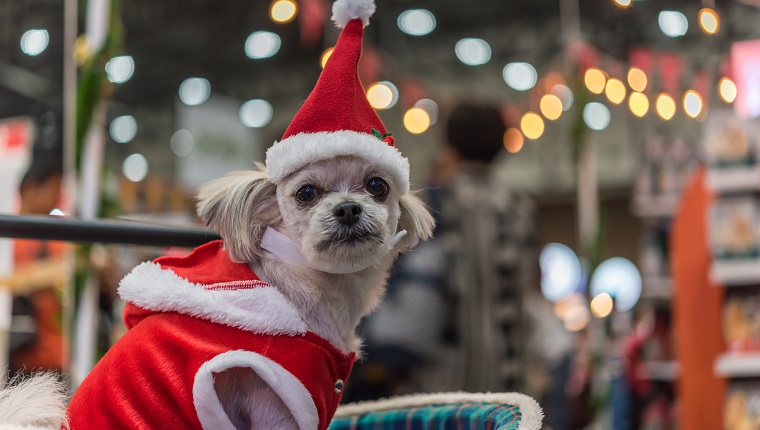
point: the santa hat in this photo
(336, 118)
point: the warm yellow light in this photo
(727, 90)
(283, 11)
(551, 106)
(326, 56)
(416, 120)
(576, 317)
(692, 103)
(639, 104)
(595, 80)
(665, 106)
(380, 95)
(513, 140)
(637, 79)
(709, 20)
(615, 91)
(623, 3)
(532, 125)
(601, 305)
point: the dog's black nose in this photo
(348, 212)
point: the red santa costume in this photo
(190, 317)
(194, 316)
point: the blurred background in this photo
(593, 167)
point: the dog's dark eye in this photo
(306, 193)
(377, 187)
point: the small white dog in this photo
(258, 331)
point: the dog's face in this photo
(343, 211)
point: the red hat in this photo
(336, 118)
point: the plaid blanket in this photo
(467, 416)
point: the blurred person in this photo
(37, 340)
(453, 315)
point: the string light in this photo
(595, 80)
(382, 95)
(416, 120)
(283, 11)
(727, 90)
(513, 140)
(637, 79)
(615, 91)
(326, 56)
(639, 104)
(665, 106)
(601, 305)
(532, 125)
(709, 21)
(551, 106)
(692, 103)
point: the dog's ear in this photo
(239, 206)
(416, 219)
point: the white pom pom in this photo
(346, 10)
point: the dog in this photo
(258, 330)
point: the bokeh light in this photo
(194, 91)
(262, 44)
(256, 113)
(532, 125)
(596, 116)
(551, 106)
(727, 90)
(637, 79)
(561, 272)
(513, 140)
(620, 279)
(665, 106)
(135, 167)
(382, 95)
(615, 91)
(429, 106)
(673, 23)
(638, 103)
(595, 80)
(692, 103)
(416, 22)
(120, 69)
(35, 41)
(123, 129)
(181, 143)
(283, 11)
(520, 76)
(473, 52)
(565, 94)
(326, 56)
(709, 21)
(416, 120)
(601, 305)
(623, 3)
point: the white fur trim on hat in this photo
(294, 152)
(296, 397)
(347, 10)
(531, 416)
(258, 310)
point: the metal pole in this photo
(101, 231)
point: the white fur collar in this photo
(254, 306)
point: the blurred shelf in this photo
(657, 287)
(734, 179)
(659, 370)
(655, 206)
(736, 272)
(738, 365)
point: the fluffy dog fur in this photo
(242, 205)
